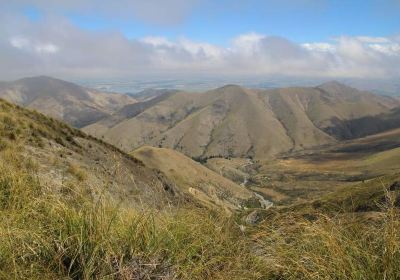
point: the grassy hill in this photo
(349, 234)
(61, 154)
(145, 177)
(73, 207)
(198, 181)
(236, 122)
(306, 174)
(63, 100)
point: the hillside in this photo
(62, 153)
(151, 93)
(236, 122)
(309, 174)
(74, 207)
(199, 181)
(63, 100)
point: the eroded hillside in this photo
(61, 153)
(235, 122)
(76, 105)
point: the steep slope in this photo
(151, 93)
(61, 153)
(126, 112)
(340, 105)
(63, 100)
(198, 181)
(72, 207)
(144, 127)
(235, 122)
(229, 121)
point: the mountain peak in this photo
(332, 83)
(336, 87)
(231, 86)
(40, 78)
(63, 100)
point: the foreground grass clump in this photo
(346, 246)
(78, 233)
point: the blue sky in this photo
(217, 22)
(175, 38)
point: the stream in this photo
(265, 203)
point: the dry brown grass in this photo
(76, 232)
(325, 245)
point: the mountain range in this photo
(230, 121)
(237, 122)
(150, 176)
(275, 183)
(76, 105)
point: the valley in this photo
(233, 183)
(199, 140)
(287, 145)
(236, 122)
(306, 175)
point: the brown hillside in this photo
(235, 122)
(149, 177)
(63, 100)
(198, 181)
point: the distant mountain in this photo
(63, 100)
(155, 177)
(387, 87)
(127, 112)
(148, 94)
(237, 122)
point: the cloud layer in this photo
(54, 46)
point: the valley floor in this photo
(305, 175)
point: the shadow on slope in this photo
(368, 125)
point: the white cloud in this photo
(248, 43)
(46, 48)
(25, 44)
(322, 47)
(368, 39)
(157, 41)
(19, 42)
(56, 47)
(392, 49)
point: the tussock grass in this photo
(76, 171)
(81, 232)
(343, 246)
(75, 234)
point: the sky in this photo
(200, 38)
